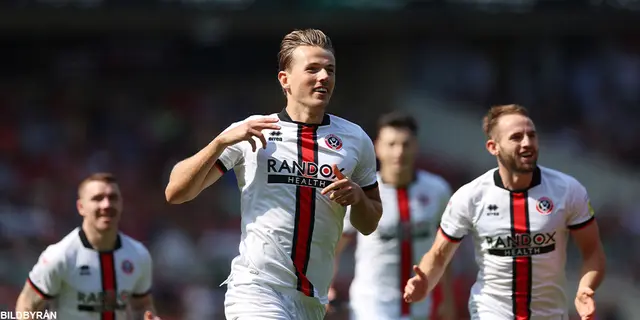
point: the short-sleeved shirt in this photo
(290, 230)
(520, 240)
(385, 258)
(89, 284)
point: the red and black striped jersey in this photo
(88, 284)
(385, 258)
(520, 240)
(290, 230)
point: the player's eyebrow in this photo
(320, 64)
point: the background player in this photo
(520, 216)
(294, 190)
(95, 272)
(413, 201)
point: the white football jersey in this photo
(520, 240)
(87, 284)
(385, 258)
(290, 230)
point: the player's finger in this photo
(344, 200)
(589, 292)
(148, 315)
(334, 186)
(408, 297)
(267, 120)
(337, 172)
(419, 272)
(262, 126)
(252, 143)
(260, 136)
(340, 193)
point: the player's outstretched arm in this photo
(30, 300)
(192, 175)
(588, 241)
(432, 267)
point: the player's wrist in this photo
(220, 142)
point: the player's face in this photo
(310, 78)
(517, 143)
(396, 148)
(100, 204)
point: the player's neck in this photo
(101, 240)
(304, 114)
(515, 181)
(397, 179)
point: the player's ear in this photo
(492, 146)
(283, 77)
(79, 207)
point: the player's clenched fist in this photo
(149, 316)
(416, 288)
(343, 190)
(248, 130)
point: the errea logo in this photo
(275, 136)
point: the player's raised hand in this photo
(416, 288)
(248, 130)
(149, 316)
(343, 191)
(585, 304)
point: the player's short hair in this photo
(490, 120)
(99, 176)
(398, 120)
(297, 38)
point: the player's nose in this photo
(106, 203)
(323, 75)
(526, 142)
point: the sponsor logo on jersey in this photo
(333, 142)
(544, 205)
(307, 174)
(102, 301)
(522, 244)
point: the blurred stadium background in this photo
(132, 86)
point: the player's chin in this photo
(527, 166)
(106, 223)
(319, 100)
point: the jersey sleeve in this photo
(445, 196)
(457, 217)
(232, 155)
(581, 213)
(364, 173)
(46, 275)
(143, 285)
(348, 229)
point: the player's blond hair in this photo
(99, 176)
(494, 114)
(297, 38)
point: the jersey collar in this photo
(284, 116)
(86, 244)
(536, 180)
